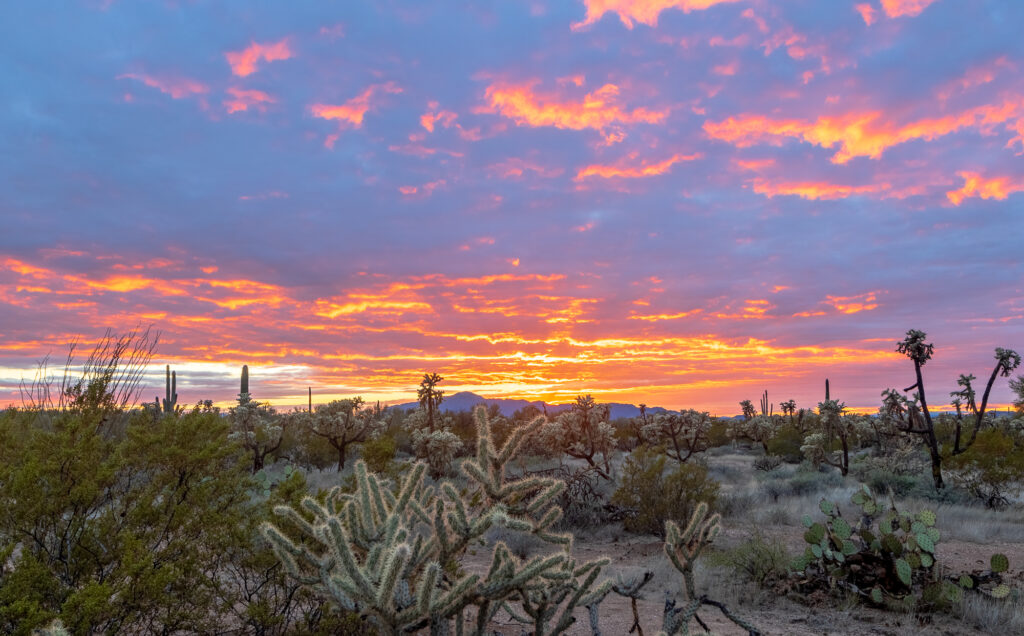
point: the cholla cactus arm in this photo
(683, 547)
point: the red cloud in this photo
(976, 185)
(625, 170)
(176, 87)
(861, 134)
(597, 110)
(242, 99)
(644, 11)
(246, 62)
(352, 111)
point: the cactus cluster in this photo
(887, 557)
(392, 552)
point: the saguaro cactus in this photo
(170, 401)
(245, 380)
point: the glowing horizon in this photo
(673, 202)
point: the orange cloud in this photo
(867, 12)
(976, 185)
(909, 8)
(623, 170)
(176, 87)
(597, 110)
(525, 335)
(816, 190)
(861, 134)
(854, 304)
(247, 61)
(352, 111)
(242, 99)
(643, 11)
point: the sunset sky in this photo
(676, 202)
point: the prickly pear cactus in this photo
(887, 557)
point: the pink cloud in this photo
(247, 61)
(176, 87)
(242, 99)
(352, 111)
(908, 8)
(867, 12)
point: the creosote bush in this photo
(656, 494)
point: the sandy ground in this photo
(770, 613)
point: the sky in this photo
(676, 202)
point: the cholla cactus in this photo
(759, 429)
(682, 434)
(836, 424)
(683, 547)
(342, 423)
(583, 432)
(438, 448)
(393, 555)
(255, 425)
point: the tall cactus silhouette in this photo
(392, 553)
(245, 380)
(170, 401)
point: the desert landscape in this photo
(511, 317)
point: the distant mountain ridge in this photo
(466, 400)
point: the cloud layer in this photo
(677, 202)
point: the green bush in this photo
(761, 560)
(718, 434)
(786, 444)
(992, 469)
(379, 454)
(656, 495)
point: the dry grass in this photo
(990, 616)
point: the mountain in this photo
(466, 400)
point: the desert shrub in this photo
(718, 433)
(656, 495)
(786, 443)
(992, 468)
(379, 453)
(117, 531)
(767, 463)
(761, 560)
